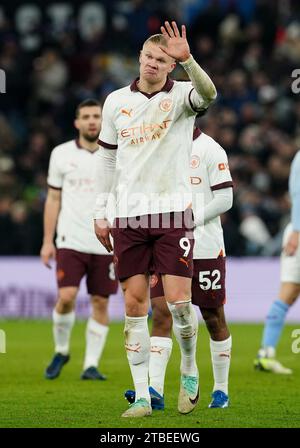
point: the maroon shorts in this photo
(160, 243)
(208, 284)
(72, 265)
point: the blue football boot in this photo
(157, 400)
(219, 400)
(57, 363)
(92, 374)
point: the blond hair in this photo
(157, 39)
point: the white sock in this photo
(161, 349)
(220, 356)
(95, 340)
(267, 352)
(137, 344)
(185, 327)
(62, 327)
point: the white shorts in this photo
(290, 265)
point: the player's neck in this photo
(89, 146)
(145, 87)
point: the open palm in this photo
(178, 47)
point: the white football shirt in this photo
(72, 170)
(209, 171)
(153, 138)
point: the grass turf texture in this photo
(258, 399)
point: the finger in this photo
(46, 262)
(183, 32)
(101, 239)
(169, 29)
(175, 28)
(104, 242)
(108, 244)
(164, 32)
(110, 247)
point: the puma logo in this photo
(155, 349)
(184, 261)
(224, 355)
(126, 112)
(133, 347)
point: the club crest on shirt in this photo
(223, 166)
(166, 104)
(195, 162)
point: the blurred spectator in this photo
(50, 77)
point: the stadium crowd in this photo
(249, 48)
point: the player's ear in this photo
(76, 124)
(173, 65)
(140, 57)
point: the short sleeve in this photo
(108, 137)
(218, 169)
(55, 174)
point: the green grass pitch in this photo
(28, 400)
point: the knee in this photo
(182, 314)
(178, 289)
(66, 299)
(178, 293)
(99, 304)
(136, 304)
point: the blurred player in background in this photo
(210, 176)
(290, 281)
(68, 212)
(150, 124)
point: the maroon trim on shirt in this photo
(222, 185)
(166, 88)
(54, 188)
(107, 145)
(77, 142)
(197, 132)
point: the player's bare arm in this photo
(178, 48)
(52, 208)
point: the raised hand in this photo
(178, 47)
